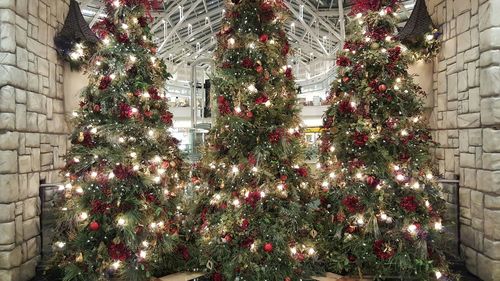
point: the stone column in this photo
(465, 117)
(33, 132)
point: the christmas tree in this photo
(384, 207)
(124, 168)
(253, 213)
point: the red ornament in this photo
(382, 88)
(346, 79)
(249, 114)
(268, 247)
(167, 118)
(409, 204)
(360, 139)
(287, 279)
(247, 63)
(94, 226)
(388, 10)
(262, 99)
(105, 82)
(228, 238)
(96, 108)
(352, 204)
(259, 69)
(302, 171)
(263, 38)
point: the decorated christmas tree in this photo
(252, 211)
(124, 168)
(383, 204)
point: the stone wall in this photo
(33, 132)
(466, 118)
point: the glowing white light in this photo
(396, 168)
(251, 88)
(125, 26)
(93, 130)
(324, 184)
(416, 185)
(145, 244)
(359, 175)
(132, 58)
(84, 216)
(438, 226)
(332, 175)
(262, 194)
(383, 216)
(79, 190)
(293, 250)
(332, 148)
(235, 169)
(116, 265)
(236, 202)
(254, 169)
(438, 274)
(400, 177)
(231, 41)
(412, 228)
(60, 244)
(429, 176)
(116, 3)
(360, 221)
(318, 165)
(112, 76)
(121, 221)
(427, 203)
(268, 103)
(136, 168)
(134, 110)
(382, 13)
(353, 104)
(121, 140)
(133, 154)
(143, 254)
(359, 15)
(69, 186)
(237, 109)
(280, 186)
(106, 41)
(429, 37)
(75, 114)
(157, 179)
(135, 20)
(111, 175)
(388, 38)
(77, 160)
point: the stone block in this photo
(474, 100)
(22, 8)
(467, 160)
(489, 39)
(35, 159)
(11, 259)
(36, 102)
(488, 16)
(491, 139)
(7, 233)
(31, 228)
(7, 121)
(492, 224)
(33, 184)
(462, 81)
(7, 214)
(32, 121)
(9, 187)
(490, 58)
(7, 37)
(470, 257)
(19, 229)
(31, 208)
(452, 87)
(33, 247)
(22, 58)
(9, 140)
(11, 75)
(477, 204)
(470, 120)
(7, 99)
(28, 269)
(490, 109)
(37, 48)
(469, 178)
(32, 140)
(13, 273)
(23, 186)
(471, 55)
(464, 41)
(492, 249)
(21, 117)
(24, 163)
(491, 161)
(491, 202)
(8, 162)
(465, 198)
(488, 181)
(488, 269)
(450, 48)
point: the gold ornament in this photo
(375, 46)
(81, 137)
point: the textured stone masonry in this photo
(33, 132)
(466, 119)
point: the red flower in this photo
(121, 172)
(122, 38)
(98, 207)
(118, 251)
(360, 138)
(251, 159)
(345, 107)
(263, 38)
(105, 82)
(275, 136)
(286, 49)
(217, 277)
(372, 181)
(408, 203)
(125, 110)
(247, 243)
(96, 107)
(245, 224)
(148, 113)
(383, 250)
(262, 99)
(352, 203)
(302, 171)
(288, 73)
(167, 118)
(252, 198)
(153, 93)
(394, 53)
(247, 63)
(343, 61)
(223, 105)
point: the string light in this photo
(60, 244)
(121, 222)
(84, 216)
(115, 265)
(438, 226)
(412, 228)
(438, 274)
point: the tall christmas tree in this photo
(124, 167)
(253, 214)
(379, 190)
